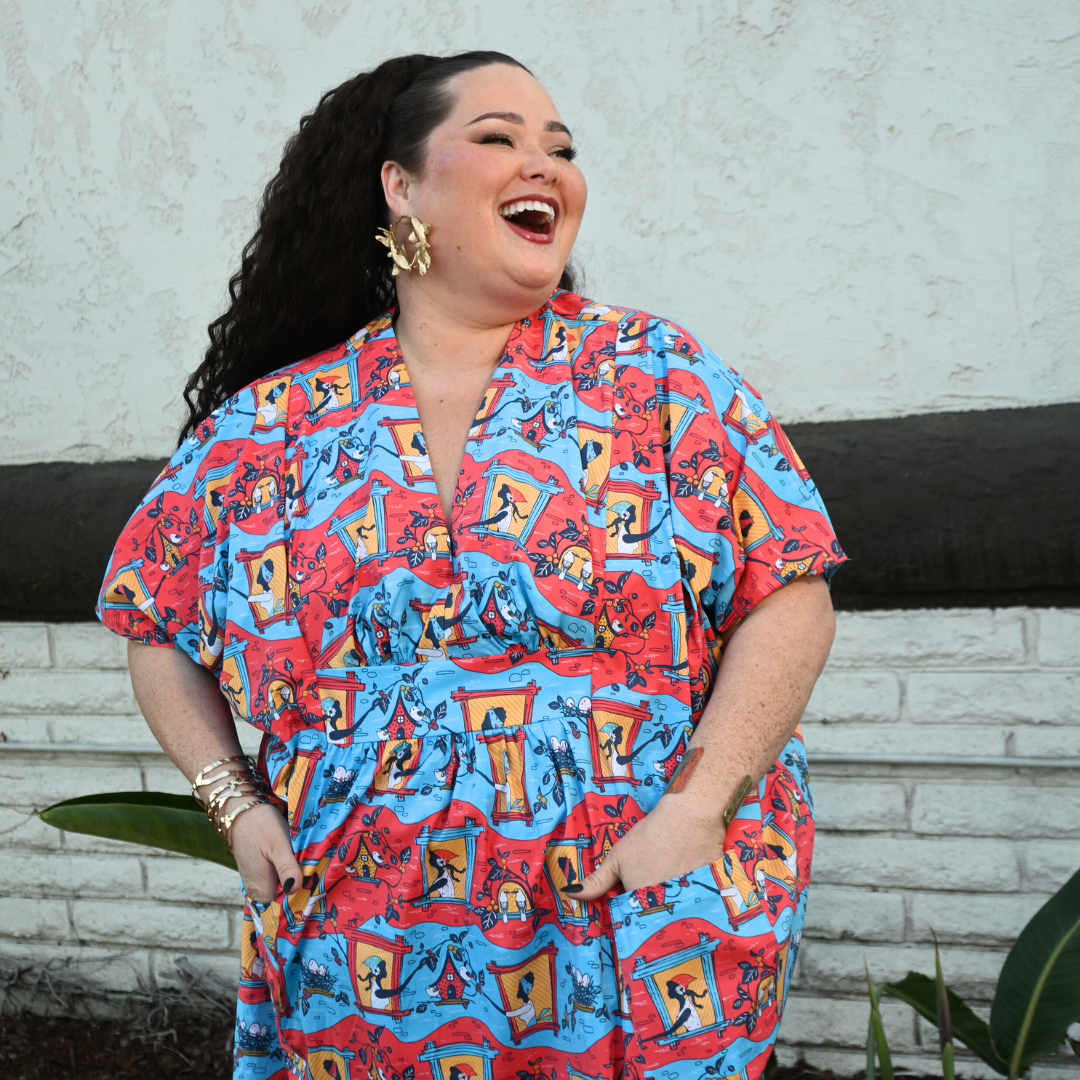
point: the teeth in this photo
(527, 204)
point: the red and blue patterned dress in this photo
(463, 716)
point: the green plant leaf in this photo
(1038, 991)
(948, 1066)
(871, 1049)
(153, 818)
(944, 1020)
(920, 993)
(880, 1041)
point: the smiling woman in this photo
(527, 594)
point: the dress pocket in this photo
(267, 920)
(756, 878)
(266, 917)
(705, 958)
(703, 969)
(666, 897)
(256, 907)
(652, 900)
(666, 939)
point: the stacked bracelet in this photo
(239, 783)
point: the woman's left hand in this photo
(668, 842)
(770, 664)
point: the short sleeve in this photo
(168, 578)
(748, 518)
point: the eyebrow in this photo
(517, 118)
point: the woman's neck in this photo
(451, 353)
(437, 338)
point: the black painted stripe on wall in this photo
(959, 509)
(944, 510)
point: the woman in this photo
(321, 379)
(526, 1011)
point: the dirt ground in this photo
(37, 1048)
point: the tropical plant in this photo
(153, 818)
(944, 1018)
(1036, 1001)
(877, 1045)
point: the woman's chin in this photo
(518, 283)
(536, 276)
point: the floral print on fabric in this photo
(462, 716)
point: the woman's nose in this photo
(539, 166)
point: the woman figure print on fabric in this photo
(472, 711)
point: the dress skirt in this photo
(430, 934)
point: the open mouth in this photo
(531, 218)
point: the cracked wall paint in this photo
(872, 209)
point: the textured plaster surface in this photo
(870, 208)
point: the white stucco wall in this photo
(870, 208)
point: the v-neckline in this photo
(506, 360)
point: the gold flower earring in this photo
(417, 237)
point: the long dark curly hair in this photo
(313, 274)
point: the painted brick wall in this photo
(967, 852)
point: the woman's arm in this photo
(190, 718)
(769, 668)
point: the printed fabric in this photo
(461, 717)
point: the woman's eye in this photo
(504, 139)
(568, 153)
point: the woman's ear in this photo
(397, 189)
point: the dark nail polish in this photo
(572, 889)
(287, 884)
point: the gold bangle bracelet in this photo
(240, 782)
(201, 777)
(224, 827)
(237, 791)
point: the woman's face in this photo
(503, 145)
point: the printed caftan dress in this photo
(461, 717)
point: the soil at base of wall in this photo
(49, 1048)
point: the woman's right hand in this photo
(260, 843)
(190, 718)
